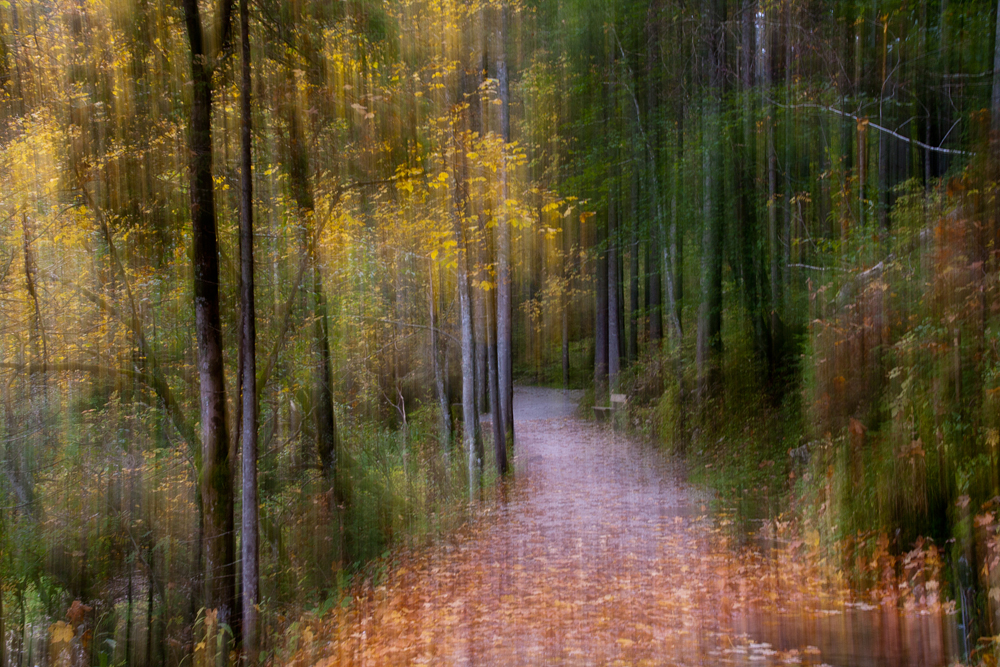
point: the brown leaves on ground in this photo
(600, 557)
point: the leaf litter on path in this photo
(601, 555)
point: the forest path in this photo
(601, 555)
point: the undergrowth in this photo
(883, 443)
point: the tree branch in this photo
(857, 119)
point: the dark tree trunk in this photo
(248, 366)
(709, 341)
(654, 309)
(673, 264)
(764, 65)
(995, 116)
(601, 322)
(499, 443)
(747, 218)
(216, 481)
(3, 628)
(633, 277)
(614, 340)
(327, 440)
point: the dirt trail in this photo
(600, 556)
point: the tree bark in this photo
(444, 418)
(764, 64)
(709, 341)
(248, 378)
(995, 117)
(327, 439)
(601, 322)
(653, 298)
(499, 443)
(633, 277)
(504, 312)
(3, 629)
(673, 247)
(480, 322)
(470, 415)
(471, 435)
(565, 299)
(614, 339)
(215, 475)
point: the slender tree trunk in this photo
(633, 277)
(995, 116)
(565, 299)
(709, 340)
(471, 435)
(654, 308)
(883, 138)
(763, 53)
(128, 613)
(444, 419)
(499, 444)
(479, 314)
(673, 259)
(504, 312)
(946, 104)
(327, 439)
(3, 628)
(470, 415)
(248, 348)
(601, 322)
(614, 340)
(215, 474)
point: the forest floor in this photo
(599, 553)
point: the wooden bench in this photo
(603, 413)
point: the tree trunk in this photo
(504, 312)
(444, 419)
(215, 474)
(764, 64)
(614, 340)
(601, 322)
(248, 349)
(471, 435)
(327, 440)
(633, 277)
(565, 299)
(709, 341)
(654, 309)
(995, 117)
(499, 443)
(673, 260)
(470, 415)
(3, 628)
(480, 319)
